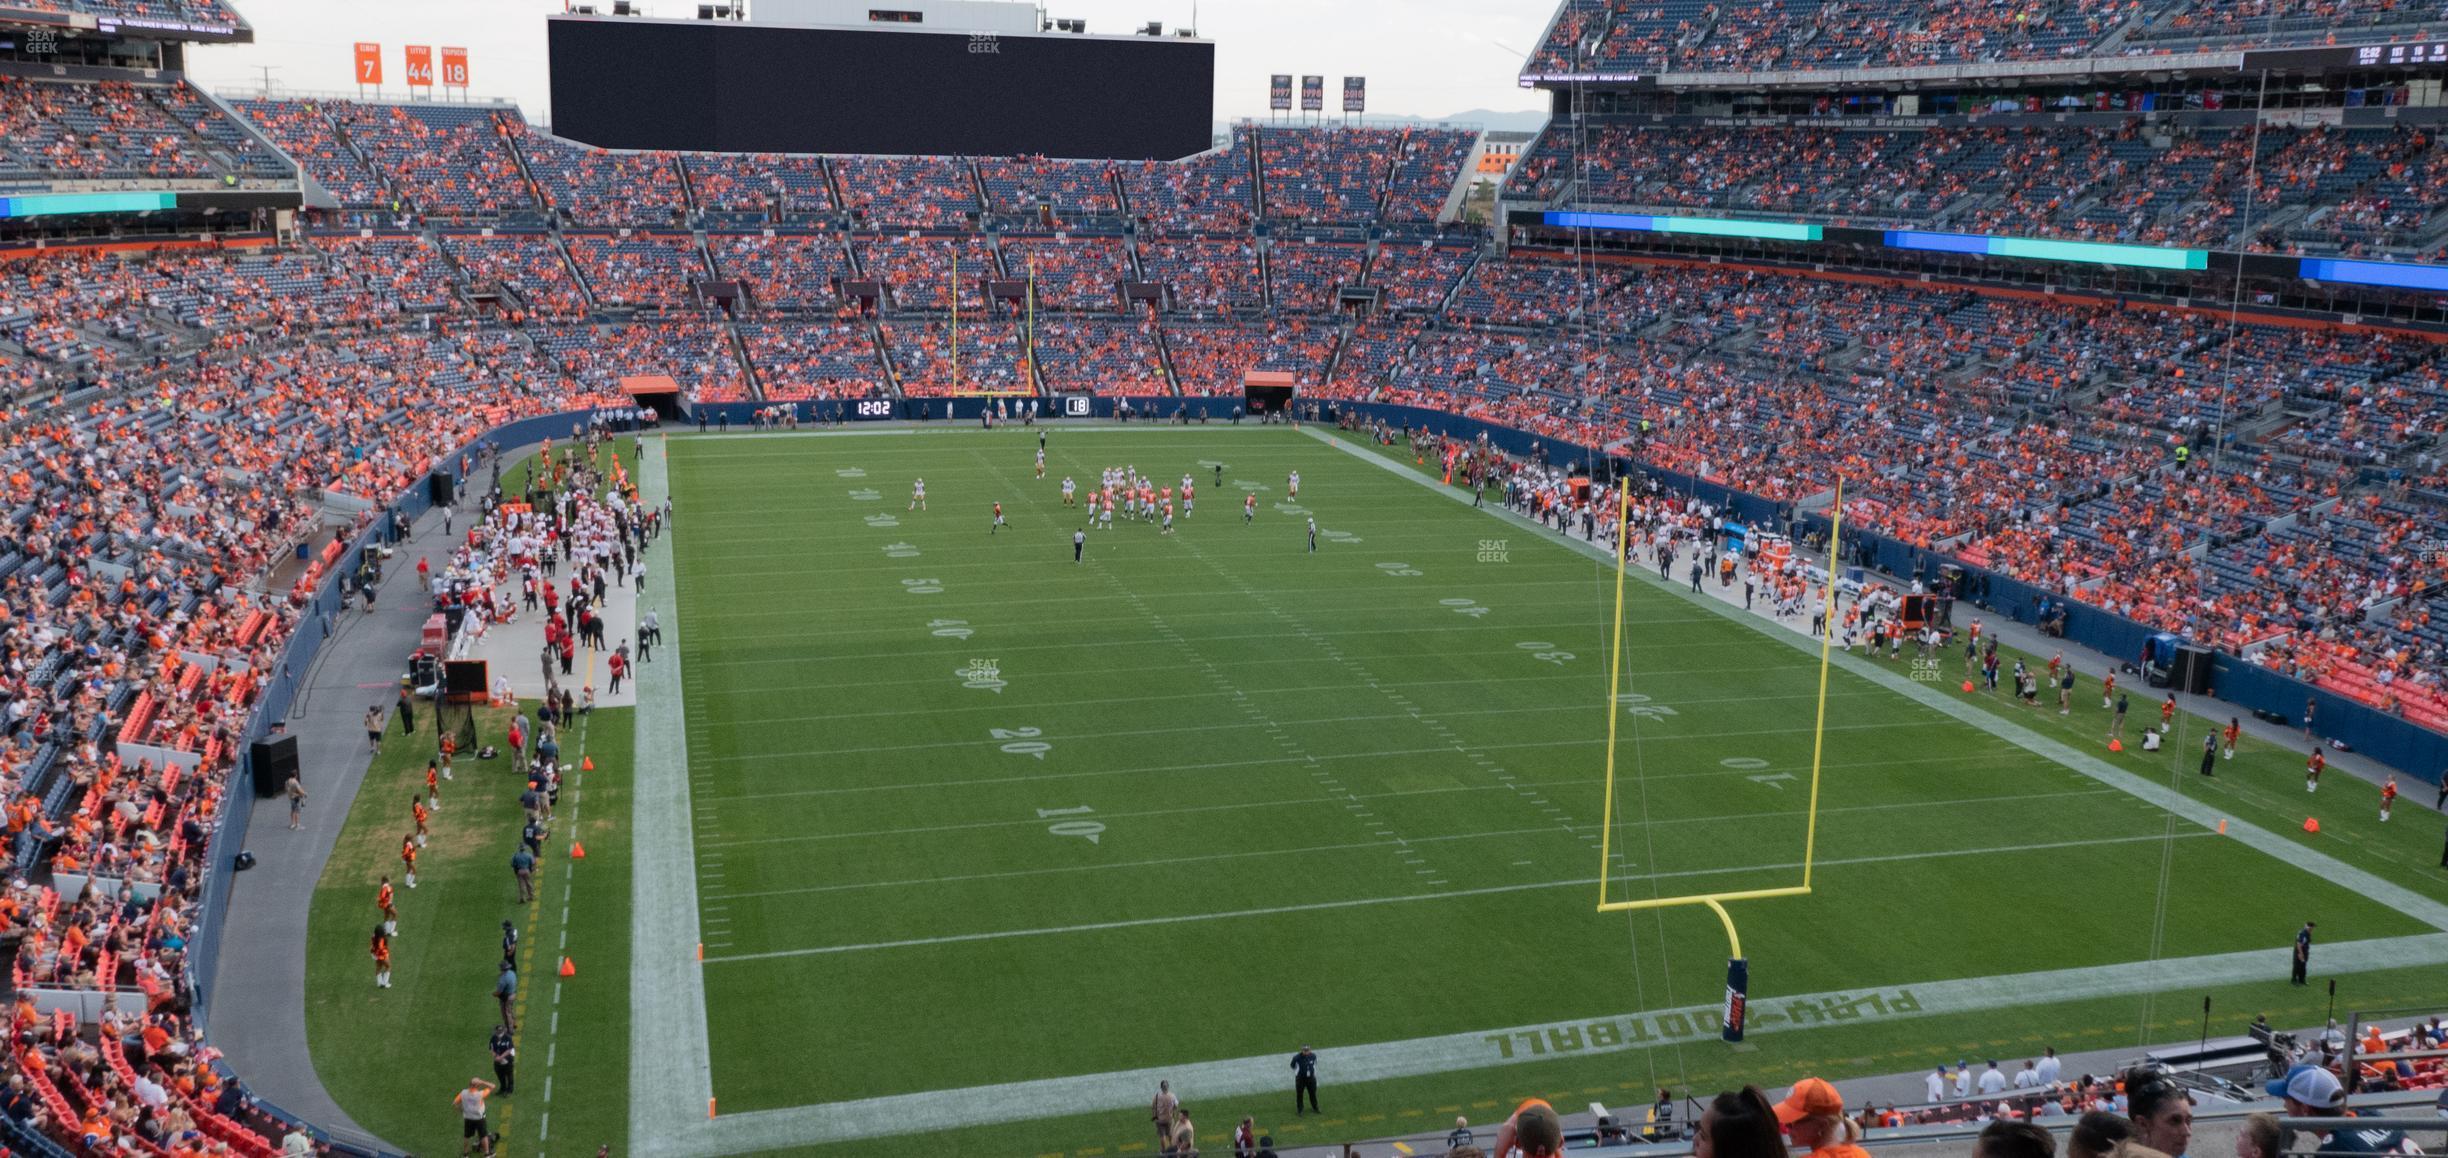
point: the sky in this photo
(1421, 57)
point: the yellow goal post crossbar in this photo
(1715, 902)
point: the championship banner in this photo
(1279, 92)
(1355, 94)
(420, 65)
(1313, 94)
(369, 62)
(1738, 996)
(454, 68)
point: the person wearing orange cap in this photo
(1814, 1117)
(1534, 1131)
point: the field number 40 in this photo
(1087, 828)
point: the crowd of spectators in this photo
(1064, 190)
(918, 270)
(52, 130)
(933, 359)
(1211, 359)
(754, 188)
(526, 264)
(797, 272)
(588, 186)
(907, 192)
(1209, 194)
(1206, 277)
(798, 361)
(1075, 273)
(1100, 356)
(1306, 275)
(643, 270)
(300, 130)
(446, 160)
(1329, 176)
(2363, 190)
(695, 354)
(1652, 36)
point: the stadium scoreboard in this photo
(730, 87)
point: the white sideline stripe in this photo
(2319, 864)
(670, 1064)
(1473, 1050)
(1370, 902)
(1390, 843)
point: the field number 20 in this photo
(1024, 741)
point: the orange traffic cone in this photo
(577, 851)
(586, 763)
(568, 969)
(1967, 685)
(709, 1107)
(2116, 745)
(2311, 824)
(2222, 826)
(701, 950)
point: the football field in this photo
(969, 816)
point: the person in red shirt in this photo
(381, 950)
(2167, 712)
(2108, 691)
(998, 523)
(408, 855)
(2388, 797)
(390, 909)
(2235, 728)
(2312, 770)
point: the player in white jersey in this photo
(1070, 491)
(1041, 462)
(918, 495)
(1292, 485)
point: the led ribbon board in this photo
(2085, 252)
(1701, 226)
(54, 204)
(2396, 275)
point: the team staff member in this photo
(471, 1103)
(1304, 1079)
(504, 1048)
(2303, 952)
(1079, 544)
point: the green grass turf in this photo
(392, 1058)
(1243, 720)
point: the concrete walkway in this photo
(258, 994)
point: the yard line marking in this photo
(1499, 1047)
(1370, 902)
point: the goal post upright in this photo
(1737, 966)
